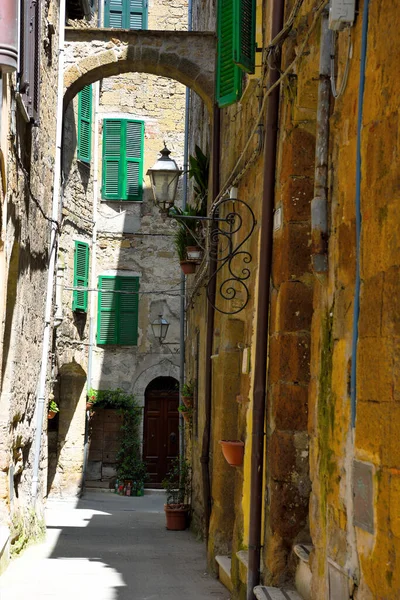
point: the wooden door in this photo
(105, 426)
(161, 434)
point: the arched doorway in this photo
(161, 428)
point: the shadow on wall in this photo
(65, 440)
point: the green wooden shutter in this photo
(114, 14)
(229, 77)
(81, 276)
(85, 124)
(113, 167)
(244, 45)
(134, 160)
(137, 14)
(128, 311)
(107, 311)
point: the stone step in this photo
(303, 572)
(262, 592)
(224, 571)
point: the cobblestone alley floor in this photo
(108, 547)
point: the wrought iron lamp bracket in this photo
(227, 237)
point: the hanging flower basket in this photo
(233, 451)
(194, 253)
(188, 267)
(51, 414)
(89, 405)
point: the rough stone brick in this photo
(371, 307)
(298, 153)
(296, 194)
(291, 255)
(289, 406)
(289, 357)
(374, 372)
(282, 455)
(390, 306)
(288, 509)
(294, 310)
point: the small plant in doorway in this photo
(132, 475)
(177, 485)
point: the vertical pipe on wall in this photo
(262, 326)
(356, 309)
(319, 209)
(40, 398)
(93, 274)
(205, 452)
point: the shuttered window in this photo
(117, 316)
(85, 124)
(244, 45)
(81, 276)
(125, 14)
(29, 75)
(236, 47)
(122, 159)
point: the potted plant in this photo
(233, 451)
(53, 409)
(186, 412)
(181, 242)
(177, 485)
(132, 471)
(91, 398)
(187, 393)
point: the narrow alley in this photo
(110, 547)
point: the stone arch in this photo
(165, 368)
(180, 55)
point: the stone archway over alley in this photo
(92, 54)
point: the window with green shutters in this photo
(123, 141)
(81, 276)
(118, 307)
(85, 124)
(125, 14)
(236, 47)
(244, 38)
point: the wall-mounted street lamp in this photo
(164, 176)
(159, 328)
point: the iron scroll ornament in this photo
(231, 254)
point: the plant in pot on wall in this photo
(233, 451)
(91, 398)
(185, 241)
(53, 409)
(187, 393)
(187, 412)
(177, 485)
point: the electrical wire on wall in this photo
(336, 93)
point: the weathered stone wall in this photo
(131, 239)
(25, 208)
(371, 558)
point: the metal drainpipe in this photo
(40, 398)
(205, 453)
(263, 302)
(319, 210)
(182, 312)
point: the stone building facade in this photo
(125, 239)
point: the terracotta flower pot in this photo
(233, 452)
(51, 414)
(187, 416)
(187, 401)
(194, 253)
(89, 405)
(188, 267)
(177, 516)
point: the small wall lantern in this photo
(160, 328)
(164, 176)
